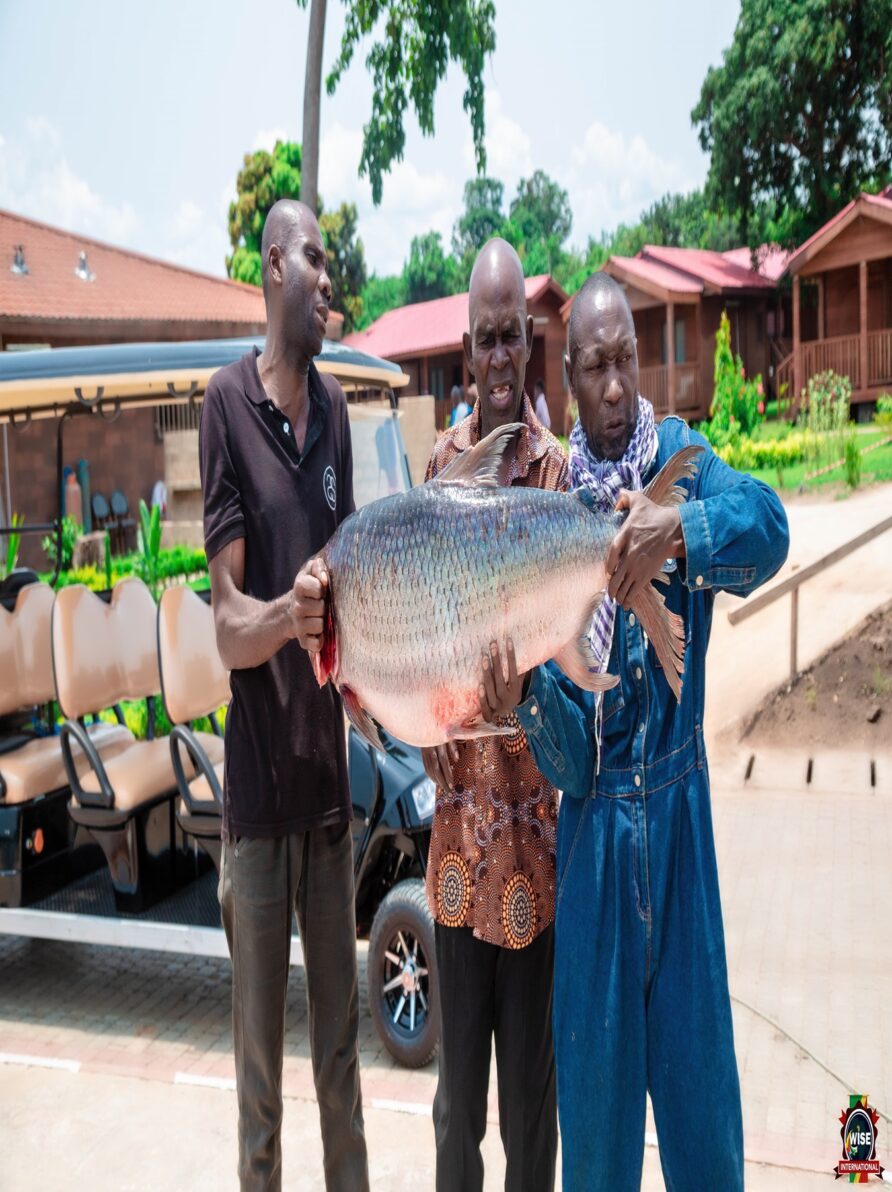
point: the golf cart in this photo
(105, 839)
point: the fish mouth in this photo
(501, 396)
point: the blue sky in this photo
(128, 121)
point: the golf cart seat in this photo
(35, 832)
(194, 684)
(104, 653)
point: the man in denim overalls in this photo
(641, 998)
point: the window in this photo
(680, 352)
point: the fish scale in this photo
(422, 582)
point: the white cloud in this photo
(508, 151)
(197, 239)
(37, 180)
(611, 180)
(266, 139)
(414, 201)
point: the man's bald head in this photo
(283, 219)
(497, 269)
(598, 293)
(500, 336)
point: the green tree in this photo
(688, 221)
(346, 262)
(539, 222)
(482, 218)
(416, 42)
(798, 118)
(379, 295)
(262, 181)
(429, 272)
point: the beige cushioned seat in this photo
(145, 770)
(37, 768)
(194, 680)
(105, 653)
(137, 774)
(26, 664)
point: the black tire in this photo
(404, 922)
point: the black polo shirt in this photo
(285, 758)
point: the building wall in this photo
(552, 336)
(841, 315)
(842, 298)
(123, 454)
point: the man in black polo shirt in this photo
(277, 475)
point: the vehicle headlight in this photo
(424, 796)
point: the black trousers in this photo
(484, 991)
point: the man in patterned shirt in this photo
(491, 868)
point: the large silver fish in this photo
(422, 582)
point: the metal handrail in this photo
(793, 583)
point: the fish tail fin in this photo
(664, 489)
(666, 630)
(325, 662)
(577, 659)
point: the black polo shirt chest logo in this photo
(330, 487)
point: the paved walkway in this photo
(747, 661)
(805, 884)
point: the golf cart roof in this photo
(44, 382)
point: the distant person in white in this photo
(540, 404)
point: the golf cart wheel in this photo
(403, 995)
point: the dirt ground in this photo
(843, 700)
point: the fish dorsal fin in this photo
(486, 464)
(664, 489)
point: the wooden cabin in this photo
(842, 300)
(677, 296)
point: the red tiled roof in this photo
(432, 326)
(772, 260)
(881, 202)
(658, 274)
(126, 285)
(716, 270)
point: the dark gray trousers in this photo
(486, 991)
(261, 882)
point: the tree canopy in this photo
(346, 262)
(417, 43)
(798, 118)
(263, 179)
(429, 272)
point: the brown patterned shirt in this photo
(491, 864)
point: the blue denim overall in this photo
(641, 997)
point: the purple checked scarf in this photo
(604, 478)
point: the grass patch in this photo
(875, 467)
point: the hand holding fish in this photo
(308, 604)
(500, 693)
(438, 761)
(650, 535)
